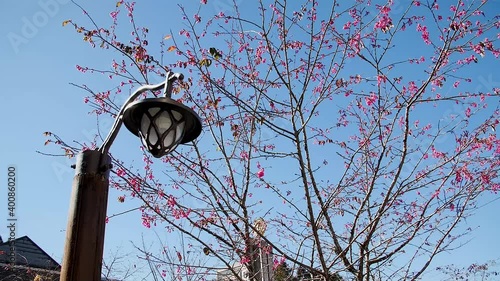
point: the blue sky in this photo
(37, 97)
(38, 61)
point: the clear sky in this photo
(38, 58)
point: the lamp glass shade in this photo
(179, 130)
(160, 130)
(162, 124)
(164, 121)
(170, 139)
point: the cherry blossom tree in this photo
(357, 130)
(476, 271)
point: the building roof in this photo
(32, 263)
(23, 273)
(28, 254)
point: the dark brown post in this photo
(84, 243)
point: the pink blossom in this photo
(135, 184)
(381, 79)
(463, 172)
(278, 261)
(185, 33)
(425, 33)
(479, 49)
(437, 154)
(146, 222)
(468, 112)
(130, 8)
(120, 172)
(114, 14)
(244, 260)
(161, 193)
(485, 179)
(244, 155)
(355, 43)
(436, 193)
(260, 173)
(384, 22)
(171, 202)
(412, 87)
(197, 18)
(371, 99)
(82, 69)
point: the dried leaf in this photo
(206, 62)
(118, 3)
(171, 48)
(206, 250)
(64, 23)
(68, 153)
(339, 83)
(216, 54)
(179, 256)
(167, 37)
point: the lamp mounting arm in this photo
(169, 83)
(167, 86)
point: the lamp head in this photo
(162, 124)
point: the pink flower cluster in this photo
(425, 33)
(370, 101)
(384, 22)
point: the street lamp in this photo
(162, 124)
